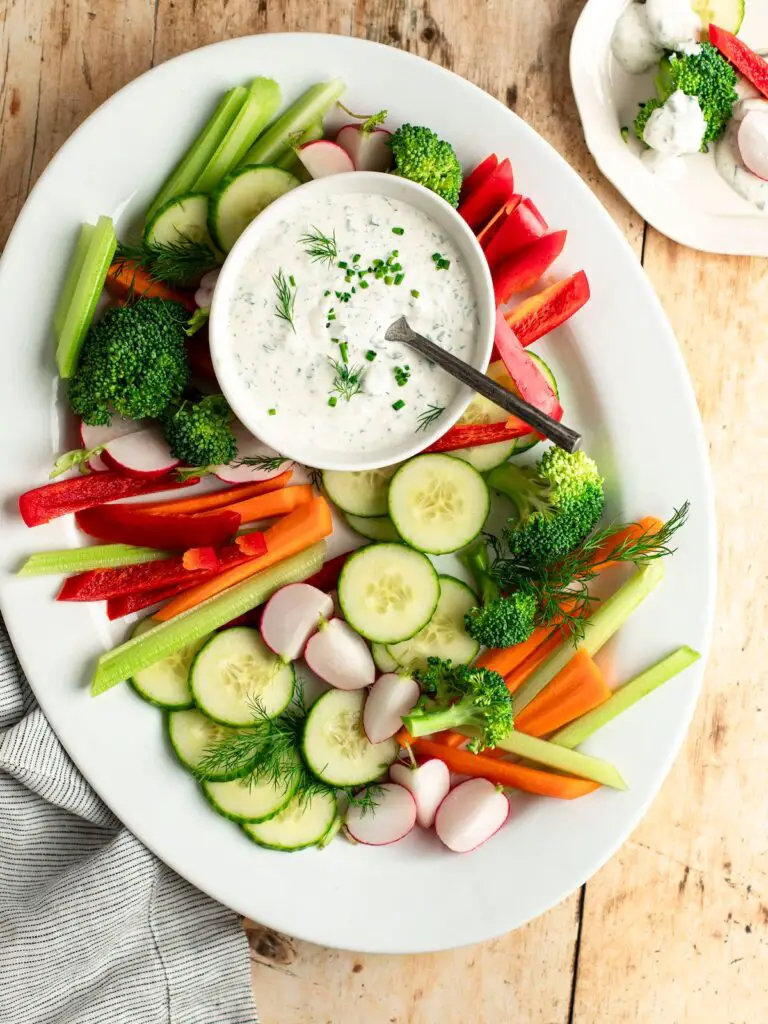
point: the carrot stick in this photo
(267, 506)
(504, 659)
(449, 738)
(128, 281)
(302, 528)
(576, 689)
(216, 499)
(642, 528)
(517, 676)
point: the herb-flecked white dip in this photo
(308, 312)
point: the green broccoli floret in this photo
(557, 504)
(454, 696)
(646, 109)
(500, 621)
(424, 158)
(133, 363)
(199, 433)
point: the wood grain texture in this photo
(674, 929)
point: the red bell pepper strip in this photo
(117, 607)
(497, 221)
(530, 382)
(123, 524)
(470, 435)
(195, 559)
(101, 584)
(475, 179)
(43, 504)
(522, 227)
(750, 64)
(524, 268)
(542, 313)
(497, 189)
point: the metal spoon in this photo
(561, 435)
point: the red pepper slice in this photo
(523, 227)
(530, 382)
(524, 268)
(121, 524)
(200, 558)
(497, 221)
(750, 64)
(475, 179)
(497, 189)
(470, 435)
(542, 313)
(126, 604)
(43, 504)
(252, 544)
(102, 584)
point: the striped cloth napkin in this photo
(93, 928)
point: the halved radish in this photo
(339, 656)
(471, 813)
(428, 784)
(753, 142)
(391, 819)
(323, 158)
(368, 151)
(204, 293)
(144, 453)
(266, 461)
(391, 697)
(95, 437)
(291, 616)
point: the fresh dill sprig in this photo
(370, 121)
(285, 298)
(315, 477)
(347, 381)
(183, 262)
(265, 462)
(320, 248)
(366, 799)
(428, 417)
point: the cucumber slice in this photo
(166, 683)
(437, 503)
(190, 167)
(382, 659)
(361, 493)
(373, 527)
(302, 823)
(727, 14)
(335, 747)
(182, 219)
(309, 108)
(240, 197)
(192, 734)
(260, 106)
(82, 288)
(444, 636)
(387, 592)
(247, 799)
(234, 670)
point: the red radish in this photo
(144, 453)
(204, 293)
(391, 819)
(323, 158)
(428, 784)
(391, 697)
(471, 813)
(368, 150)
(268, 462)
(95, 437)
(337, 654)
(753, 142)
(291, 616)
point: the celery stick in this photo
(100, 556)
(310, 107)
(630, 693)
(191, 165)
(168, 637)
(260, 105)
(608, 617)
(70, 282)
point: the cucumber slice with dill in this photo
(192, 735)
(305, 821)
(248, 799)
(100, 556)
(382, 659)
(335, 747)
(240, 197)
(183, 219)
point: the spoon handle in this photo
(557, 432)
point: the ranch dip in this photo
(308, 312)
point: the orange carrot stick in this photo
(504, 659)
(645, 527)
(517, 676)
(297, 531)
(448, 738)
(576, 689)
(128, 281)
(216, 499)
(274, 503)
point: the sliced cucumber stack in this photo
(248, 799)
(387, 592)
(166, 683)
(362, 494)
(301, 823)
(382, 659)
(373, 527)
(182, 219)
(192, 734)
(335, 747)
(444, 636)
(234, 670)
(240, 197)
(438, 504)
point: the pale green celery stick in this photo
(191, 165)
(607, 618)
(101, 556)
(70, 282)
(630, 693)
(168, 637)
(260, 106)
(310, 107)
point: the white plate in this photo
(623, 383)
(699, 210)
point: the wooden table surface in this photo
(674, 928)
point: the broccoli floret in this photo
(557, 504)
(133, 363)
(199, 433)
(646, 109)
(459, 695)
(500, 621)
(424, 158)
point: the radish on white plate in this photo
(338, 655)
(391, 697)
(144, 453)
(323, 158)
(265, 462)
(95, 437)
(428, 784)
(753, 142)
(471, 813)
(392, 818)
(369, 150)
(204, 293)
(291, 616)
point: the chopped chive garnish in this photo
(326, 293)
(332, 401)
(396, 266)
(377, 263)
(271, 412)
(336, 340)
(436, 256)
(344, 352)
(343, 264)
(354, 290)
(401, 375)
(399, 278)
(356, 257)
(398, 405)
(395, 253)
(388, 279)
(370, 355)
(398, 231)
(363, 284)
(292, 281)
(415, 293)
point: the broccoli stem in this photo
(475, 558)
(436, 721)
(515, 484)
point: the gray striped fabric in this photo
(93, 928)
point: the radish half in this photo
(269, 462)
(291, 616)
(470, 814)
(391, 819)
(323, 158)
(368, 151)
(339, 656)
(144, 453)
(95, 437)
(428, 785)
(753, 142)
(204, 293)
(391, 697)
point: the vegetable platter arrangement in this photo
(435, 694)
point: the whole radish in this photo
(291, 616)
(391, 697)
(392, 817)
(428, 784)
(367, 143)
(471, 813)
(337, 654)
